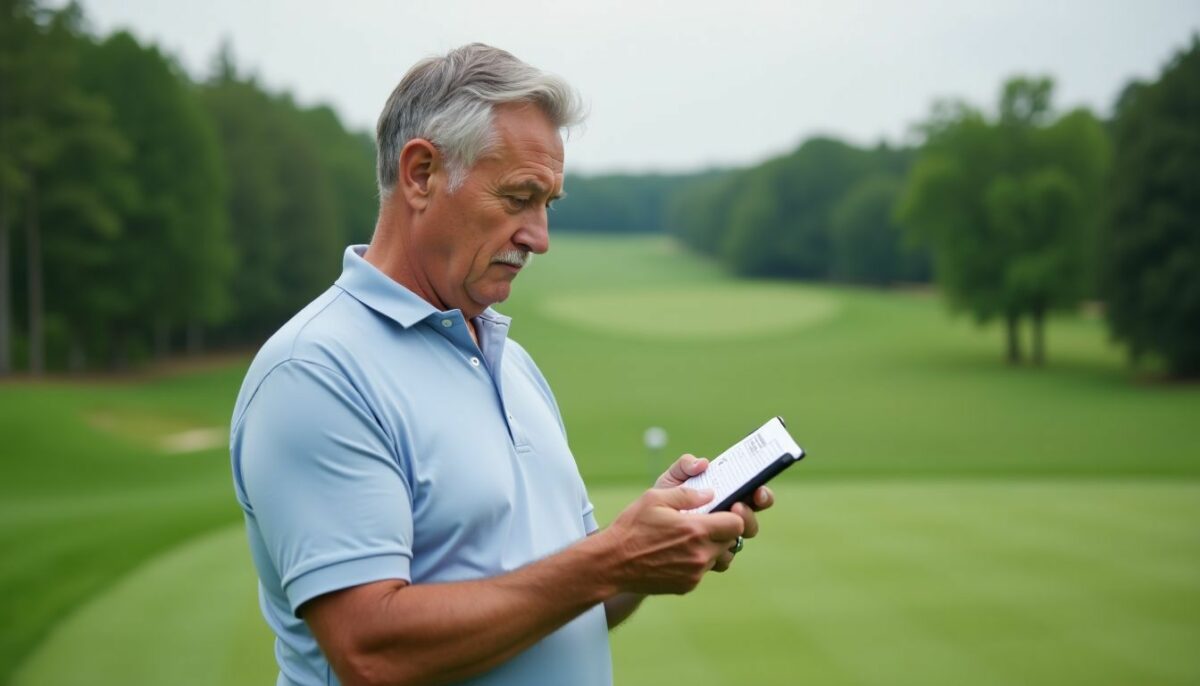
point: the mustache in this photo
(517, 258)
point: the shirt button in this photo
(447, 323)
(474, 361)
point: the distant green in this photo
(957, 520)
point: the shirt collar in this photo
(379, 291)
(383, 294)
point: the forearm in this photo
(438, 633)
(618, 608)
(392, 633)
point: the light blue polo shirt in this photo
(372, 439)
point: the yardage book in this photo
(750, 463)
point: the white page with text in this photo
(746, 459)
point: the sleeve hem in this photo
(340, 575)
(590, 525)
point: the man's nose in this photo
(534, 234)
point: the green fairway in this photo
(870, 382)
(956, 520)
(694, 314)
(984, 582)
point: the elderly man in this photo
(413, 510)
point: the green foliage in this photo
(72, 191)
(1010, 206)
(174, 258)
(868, 247)
(300, 188)
(349, 158)
(145, 209)
(696, 213)
(620, 203)
(779, 222)
(778, 218)
(1152, 237)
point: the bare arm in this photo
(391, 632)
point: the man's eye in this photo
(517, 202)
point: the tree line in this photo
(143, 213)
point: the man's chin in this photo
(495, 294)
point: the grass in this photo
(875, 383)
(864, 582)
(82, 505)
(957, 520)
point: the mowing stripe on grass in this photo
(915, 582)
(188, 617)
(891, 582)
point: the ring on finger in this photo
(737, 545)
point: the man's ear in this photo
(419, 162)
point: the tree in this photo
(621, 203)
(697, 213)
(777, 218)
(868, 247)
(67, 158)
(779, 221)
(1151, 247)
(1009, 207)
(349, 160)
(175, 254)
(286, 227)
(18, 34)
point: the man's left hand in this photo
(688, 466)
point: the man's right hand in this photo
(660, 549)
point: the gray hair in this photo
(448, 101)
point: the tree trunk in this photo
(162, 339)
(77, 357)
(195, 338)
(120, 351)
(33, 245)
(1039, 336)
(5, 292)
(1012, 325)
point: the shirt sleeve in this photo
(322, 483)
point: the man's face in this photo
(472, 243)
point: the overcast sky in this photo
(681, 84)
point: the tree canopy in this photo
(1010, 206)
(1151, 245)
(778, 218)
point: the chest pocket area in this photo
(544, 459)
(463, 482)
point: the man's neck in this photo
(387, 253)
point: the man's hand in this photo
(664, 550)
(688, 466)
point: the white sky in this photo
(680, 84)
